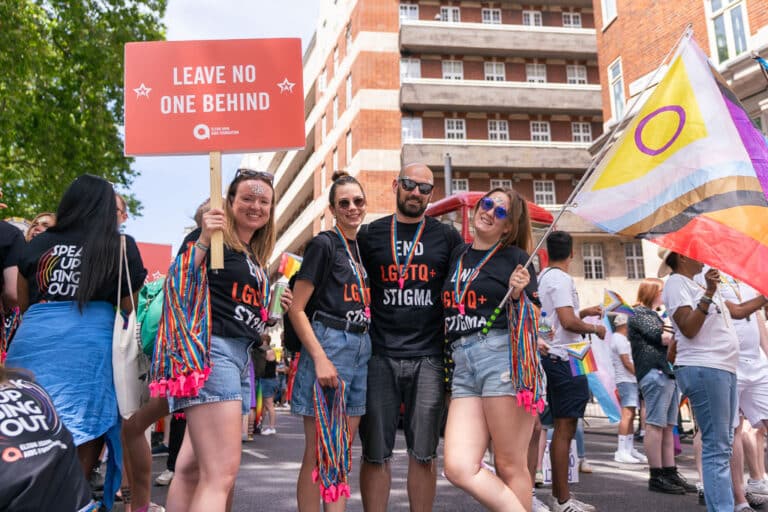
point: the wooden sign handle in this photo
(217, 238)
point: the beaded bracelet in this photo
(201, 246)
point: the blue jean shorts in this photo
(349, 352)
(482, 365)
(268, 387)
(229, 360)
(628, 394)
(661, 398)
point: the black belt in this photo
(341, 324)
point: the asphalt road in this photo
(270, 465)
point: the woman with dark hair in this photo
(334, 331)
(209, 458)
(68, 281)
(484, 402)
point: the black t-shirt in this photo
(407, 322)
(11, 247)
(39, 468)
(51, 263)
(236, 300)
(341, 294)
(270, 369)
(486, 290)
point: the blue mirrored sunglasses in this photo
(487, 204)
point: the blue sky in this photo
(171, 187)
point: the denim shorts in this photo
(268, 388)
(628, 394)
(229, 360)
(567, 395)
(661, 398)
(349, 352)
(482, 365)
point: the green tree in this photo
(61, 94)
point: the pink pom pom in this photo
(344, 490)
(315, 475)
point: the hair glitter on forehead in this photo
(256, 187)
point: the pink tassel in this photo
(315, 475)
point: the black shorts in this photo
(418, 384)
(567, 395)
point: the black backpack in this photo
(291, 340)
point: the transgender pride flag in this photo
(602, 382)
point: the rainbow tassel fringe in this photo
(10, 322)
(181, 361)
(333, 445)
(524, 363)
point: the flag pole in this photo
(687, 33)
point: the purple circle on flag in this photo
(639, 130)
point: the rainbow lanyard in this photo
(458, 292)
(355, 269)
(402, 270)
(263, 284)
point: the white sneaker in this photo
(154, 507)
(164, 478)
(571, 505)
(639, 456)
(624, 457)
(756, 500)
(488, 467)
(757, 486)
(586, 507)
(268, 431)
(539, 506)
(584, 466)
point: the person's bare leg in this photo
(559, 452)
(737, 467)
(307, 491)
(667, 446)
(137, 451)
(185, 478)
(269, 406)
(375, 482)
(88, 454)
(652, 442)
(422, 484)
(533, 449)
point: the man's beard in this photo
(408, 210)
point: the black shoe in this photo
(677, 478)
(702, 501)
(664, 485)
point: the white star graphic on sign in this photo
(142, 90)
(285, 85)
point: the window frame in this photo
(534, 16)
(578, 135)
(535, 78)
(407, 125)
(635, 263)
(450, 11)
(411, 64)
(449, 75)
(409, 10)
(544, 197)
(573, 16)
(348, 91)
(494, 14)
(726, 13)
(494, 75)
(451, 132)
(501, 183)
(541, 133)
(613, 11)
(593, 264)
(576, 74)
(612, 83)
(500, 131)
(464, 187)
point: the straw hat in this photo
(664, 269)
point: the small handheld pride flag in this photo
(289, 264)
(613, 303)
(581, 358)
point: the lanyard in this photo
(356, 270)
(458, 292)
(402, 270)
(263, 285)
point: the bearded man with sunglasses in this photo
(407, 256)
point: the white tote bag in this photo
(126, 349)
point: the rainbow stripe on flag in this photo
(613, 303)
(581, 358)
(289, 264)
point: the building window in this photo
(348, 92)
(335, 110)
(576, 74)
(532, 18)
(349, 147)
(348, 38)
(410, 68)
(409, 11)
(453, 70)
(572, 20)
(729, 26)
(455, 129)
(501, 184)
(494, 71)
(323, 176)
(581, 132)
(536, 73)
(609, 11)
(593, 261)
(335, 159)
(617, 89)
(452, 14)
(633, 252)
(335, 59)
(544, 192)
(491, 16)
(323, 129)
(540, 131)
(498, 129)
(411, 128)
(321, 80)
(459, 185)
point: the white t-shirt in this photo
(557, 290)
(620, 346)
(716, 344)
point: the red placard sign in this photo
(189, 97)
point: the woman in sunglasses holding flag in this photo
(490, 400)
(331, 315)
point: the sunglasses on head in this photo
(487, 204)
(408, 185)
(345, 203)
(249, 173)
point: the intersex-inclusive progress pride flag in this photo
(690, 173)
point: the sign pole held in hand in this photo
(217, 238)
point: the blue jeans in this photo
(712, 394)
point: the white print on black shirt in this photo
(58, 271)
(462, 323)
(407, 297)
(249, 318)
(20, 414)
(403, 246)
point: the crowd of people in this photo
(404, 320)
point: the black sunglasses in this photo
(487, 204)
(408, 185)
(249, 173)
(345, 203)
